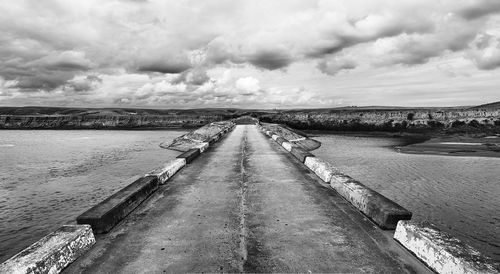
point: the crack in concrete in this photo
(242, 206)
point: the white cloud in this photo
(170, 52)
(248, 84)
(485, 51)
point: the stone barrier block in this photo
(320, 167)
(52, 253)
(190, 155)
(383, 211)
(300, 153)
(166, 172)
(203, 146)
(440, 251)
(280, 140)
(287, 146)
(211, 141)
(105, 215)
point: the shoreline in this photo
(429, 144)
(456, 146)
(109, 128)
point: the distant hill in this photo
(60, 111)
(495, 105)
(482, 118)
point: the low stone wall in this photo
(105, 215)
(108, 213)
(383, 211)
(207, 134)
(440, 251)
(52, 253)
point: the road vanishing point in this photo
(246, 205)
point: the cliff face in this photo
(104, 121)
(387, 120)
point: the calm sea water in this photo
(47, 178)
(459, 194)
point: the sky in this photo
(249, 53)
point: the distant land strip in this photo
(479, 120)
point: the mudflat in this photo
(488, 146)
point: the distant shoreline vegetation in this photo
(481, 120)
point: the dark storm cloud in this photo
(47, 73)
(480, 8)
(269, 59)
(163, 68)
(42, 81)
(368, 29)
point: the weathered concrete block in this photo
(440, 251)
(202, 146)
(320, 167)
(190, 155)
(383, 211)
(275, 137)
(105, 215)
(300, 153)
(52, 253)
(211, 141)
(287, 146)
(166, 172)
(280, 140)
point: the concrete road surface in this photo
(246, 205)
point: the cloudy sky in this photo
(249, 53)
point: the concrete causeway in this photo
(246, 205)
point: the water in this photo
(461, 195)
(47, 178)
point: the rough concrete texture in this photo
(383, 211)
(203, 146)
(440, 251)
(287, 146)
(53, 252)
(293, 136)
(213, 139)
(194, 138)
(280, 140)
(300, 153)
(323, 169)
(167, 171)
(246, 205)
(190, 155)
(109, 212)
